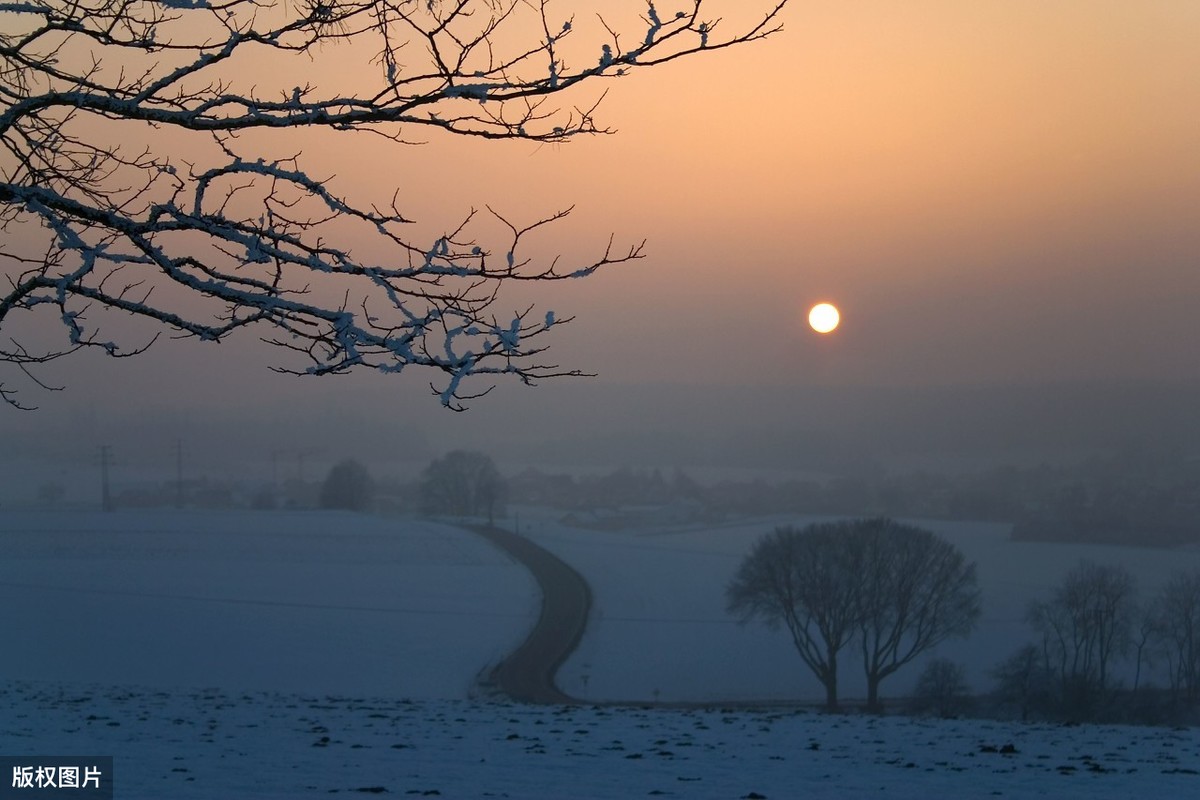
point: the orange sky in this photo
(993, 191)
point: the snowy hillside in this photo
(309, 602)
(280, 655)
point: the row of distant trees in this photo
(1157, 503)
(1157, 506)
(892, 592)
(461, 483)
(1093, 624)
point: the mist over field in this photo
(595, 424)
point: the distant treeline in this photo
(1127, 498)
(1136, 497)
(1153, 531)
(997, 495)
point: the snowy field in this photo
(229, 745)
(659, 628)
(282, 601)
(280, 655)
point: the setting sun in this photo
(823, 317)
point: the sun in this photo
(823, 317)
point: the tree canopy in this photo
(463, 483)
(897, 589)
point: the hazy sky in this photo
(994, 192)
(991, 191)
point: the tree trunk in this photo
(831, 693)
(830, 679)
(1137, 673)
(873, 705)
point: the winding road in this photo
(527, 675)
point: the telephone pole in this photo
(106, 502)
(179, 473)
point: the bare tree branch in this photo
(99, 99)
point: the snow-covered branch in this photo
(254, 234)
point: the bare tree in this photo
(1178, 625)
(808, 581)
(1024, 680)
(917, 591)
(144, 169)
(463, 483)
(1147, 638)
(899, 589)
(1084, 625)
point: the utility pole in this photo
(179, 473)
(301, 457)
(106, 502)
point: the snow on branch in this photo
(236, 235)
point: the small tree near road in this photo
(463, 483)
(348, 487)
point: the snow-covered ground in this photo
(285, 601)
(283, 655)
(230, 745)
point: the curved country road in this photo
(527, 675)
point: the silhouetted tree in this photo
(1023, 681)
(348, 486)
(146, 167)
(1179, 627)
(1147, 639)
(1087, 621)
(917, 591)
(807, 580)
(463, 483)
(899, 589)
